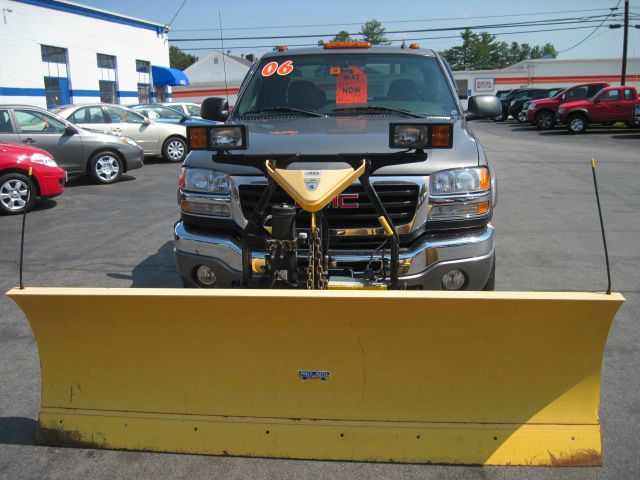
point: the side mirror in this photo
(214, 108)
(146, 122)
(184, 119)
(483, 106)
(70, 130)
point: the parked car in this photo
(516, 102)
(503, 93)
(79, 151)
(514, 94)
(157, 139)
(635, 119)
(608, 106)
(191, 109)
(542, 113)
(522, 115)
(19, 190)
(162, 114)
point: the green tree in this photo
(480, 51)
(373, 32)
(179, 59)
(342, 36)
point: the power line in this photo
(555, 21)
(177, 12)
(391, 21)
(594, 30)
(240, 47)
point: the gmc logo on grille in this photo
(345, 200)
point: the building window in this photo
(56, 81)
(144, 93)
(144, 81)
(462, 84)
(108, 81)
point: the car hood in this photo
(343, 135)
(18, 149)
(577, 104)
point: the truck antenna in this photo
(24, 220)
(224, 63)
(604, 239)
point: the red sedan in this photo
(17, 189)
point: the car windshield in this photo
(156, 112)
(348, 83)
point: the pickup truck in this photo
(542, 113)
(337, 101)
(608, 106)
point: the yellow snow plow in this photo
(490, 378)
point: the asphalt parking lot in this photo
(548, 238)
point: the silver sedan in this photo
(79, 151)
(157, 139)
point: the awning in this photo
(168, 76)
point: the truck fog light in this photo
(199, 208)
(453, 280)
(205, 276)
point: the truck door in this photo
(608, 107)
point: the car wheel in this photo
(577, 124)
(499, 118)
(545, 121)
(174, 149)
(105, 167)
(521, 116)
(17, 193)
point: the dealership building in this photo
(546, 73)
(58, 52)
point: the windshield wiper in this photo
(308, 113)
(373, 109)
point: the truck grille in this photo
(400, 200)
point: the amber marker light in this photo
(347, 45)
(482, 208)
(441, 136)
(282, 48)
(414, 46)
(485, 180)
(197, 138)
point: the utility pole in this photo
(624, 42)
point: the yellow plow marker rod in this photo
(444, 377)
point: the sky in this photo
(254, 18)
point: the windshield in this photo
(347, 83)
(156, 112)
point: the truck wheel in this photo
(174, 149)
(491, 281)
(577, 124)
(17, 193)
(105, 167)
(520, 116)
(545, 120)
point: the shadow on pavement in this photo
(155, 271)
(628, 136)
(88, 182)
(17, 430)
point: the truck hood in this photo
(546, 102)
(335, 135)
(577, 104)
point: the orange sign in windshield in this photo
(351, 86)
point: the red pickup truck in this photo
(610, 105)
(542, 113)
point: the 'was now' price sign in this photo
(351, 86)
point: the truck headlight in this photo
(460, 180)
(218, 137)
(420, 135)
(204, 180)
(459, 194)
(561, 110)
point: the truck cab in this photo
(343, 100)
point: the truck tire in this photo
(545, 120)
(576, 124)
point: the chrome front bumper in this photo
(422, 266)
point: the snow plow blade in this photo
(490, 378)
